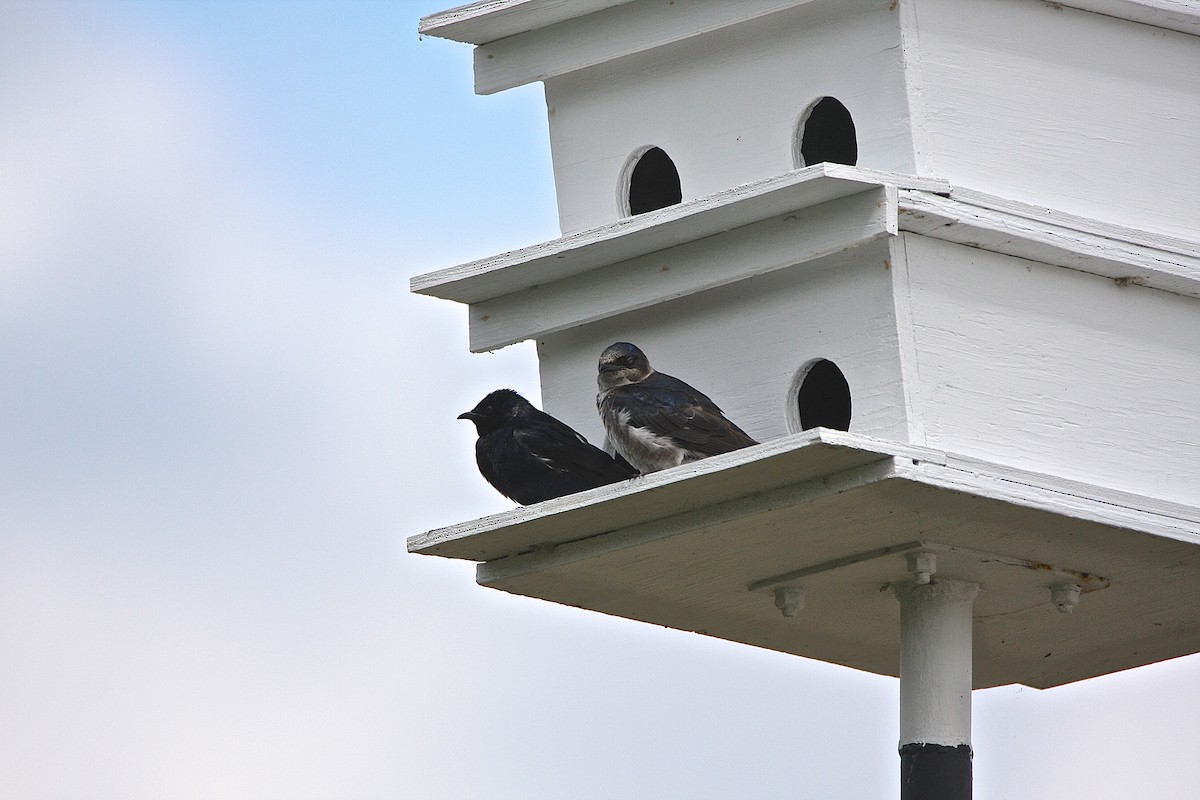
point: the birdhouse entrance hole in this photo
(826, 133)
(822, 397)
(650, 182)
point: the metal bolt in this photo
(922, 566)
(1065, 596)
(789, 600)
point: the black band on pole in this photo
(935, 772)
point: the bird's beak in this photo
(471, 415)
(608, 367)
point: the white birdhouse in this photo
(940, 258)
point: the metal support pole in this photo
(935, 689)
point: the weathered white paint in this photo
(1189, 247)
(935, 661)
(914, 85)
(914, 411)
(1086, 245)
(1056, 370)
(488, 20)
(1083, 112)
(691, 548)
(1174, 15)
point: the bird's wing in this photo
(561, 448)
(669, 407)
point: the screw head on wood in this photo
(1065, 596)
(789, 600)
(922, 566)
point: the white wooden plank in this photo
(1171, 515)
(1051, 105)
(802, 460)
(1069, 241)
(649, 497)
(1055, 370)
(629, 238)
(914, 85)
(784, 241)
(657, 530)
(1002, 485)
(488, 20)
(1103, 228)
(1175, 15)
(604, 36)
(910, 382)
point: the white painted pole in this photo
(935, 689)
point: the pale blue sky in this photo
(223, 412)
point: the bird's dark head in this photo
(622, 363)
(492, 411)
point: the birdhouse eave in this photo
(489, 20)
(801, 216)
(631, 237)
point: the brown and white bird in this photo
(656, 421)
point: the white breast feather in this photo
(641, 447)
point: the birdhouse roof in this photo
(703, 547)
(520, 41)
(488, 20)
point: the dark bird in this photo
(529, 456)
(656, 421)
